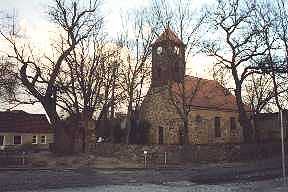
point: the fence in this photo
(12, 158)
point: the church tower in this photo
(168, 59)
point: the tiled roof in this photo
(22, 122)
(168, 35)
(204, 93)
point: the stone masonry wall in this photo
(158, 110)
(177, 154)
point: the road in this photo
(228, 176)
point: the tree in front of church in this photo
(240, 44)
(134, 72)
(181, 95)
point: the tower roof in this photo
(168, 35)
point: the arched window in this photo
(159, 50)
(217, 126)
(198, 119)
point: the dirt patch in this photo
(50, 160)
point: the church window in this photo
(198, 119)
(160, 135)
(232, 123)
(217, 126)
(159, 50)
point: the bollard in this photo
(23, 158)
(145, 158)
(165, 159)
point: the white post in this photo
(165, 159)
(145, 159)
(283, 147)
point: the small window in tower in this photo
(176, 50)
(159, 50)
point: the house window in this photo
(17, 140)
(34, 139)
(232, 123)
(2, 137)
(43, 139)
(217, 127)
(160, 135)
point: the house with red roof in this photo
(212, 113)
(18, 128)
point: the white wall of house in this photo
(27, 138)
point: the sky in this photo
(32, 18)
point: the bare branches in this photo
(78, 23)
(241, 44)
(8, 79)
(182, 17)
(181, 95)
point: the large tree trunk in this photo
(129, 122)
(62, 139)
(64, 142)
(243, 117)
(184, 139)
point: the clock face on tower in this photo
(159, 50)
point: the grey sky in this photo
(32, 16)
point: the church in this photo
(205, 107)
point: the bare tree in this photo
(239, 45)
(8, 80)
(134, 72)
(76, 23)
(259, 93)
(86, 85)
(181, 95)
(274, 64)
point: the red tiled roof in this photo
(168, 35)
(22, 122)
(206, 93)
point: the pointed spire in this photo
(168, 35)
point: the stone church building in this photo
(211, 110)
